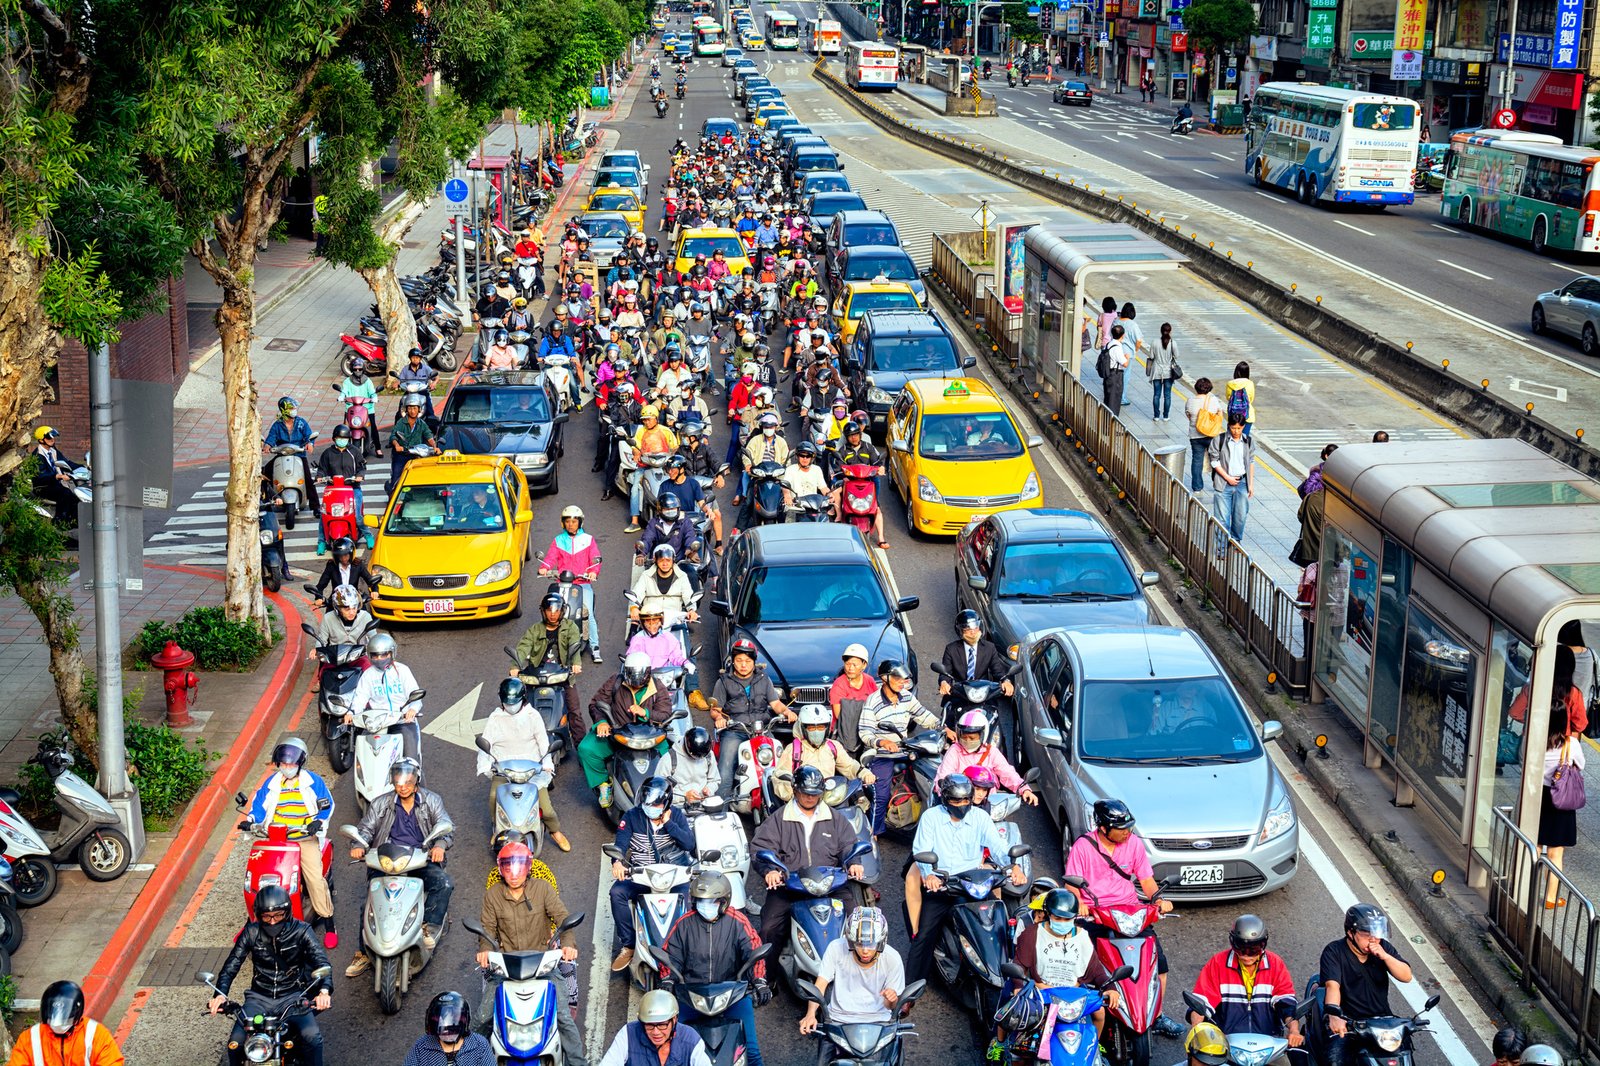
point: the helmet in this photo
(44, 431)
(768, 420)
(808, 781)
(1366, 918)
(343, 546)
(1060, 903)
(807, 449)
(346, 596)
(973, 722)
(981, 777)
(1248, 932)
(512, 692)
(670, 508)
(501, 336)
(697, 742)
(866, 928)
(812, 713)
(855, 651)
(271, 898)
(742, 646)
(1205, 1043)
(663, 551)
(380, 644)
(968, 620)
(652, 608)
(291, 752)
(341, 432)
(449, 1017)
(657, 1006)
(894, 668)
(955, 787)
(556, 326)
(840, 401)
(1532, 1055)
(712, 884)
(61, 1006)
(514, 854)
(650, 411)
(677, 462)
(852, 427)
(553, 600)
(1112, 814)
(412, 400)
(561, 309)
(655, 792)
(288, 405)
(636, 669)
(1023, 1012)
(405, 767)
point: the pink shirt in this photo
(1108, 888)
(841, 690)
(957, 759)
(579, 554)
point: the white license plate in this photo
(438, 606)
(1200, 875)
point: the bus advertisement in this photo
(871, 67)
(1338, 145)
(783, 31)
(823, 37)
(1524, 185)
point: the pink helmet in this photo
(981, 777)
(973, 722)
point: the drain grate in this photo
(285, 344)
(170, 967)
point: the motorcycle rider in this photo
(694, 770)
(849, 693)
(629, 696)
(387, 684)
(656, 1038)
(813, 747)
(344, 570)
(865, 972)
(414, 370)
(1249, 987)
(409, 431)
(743, 694)
(553, 639)
(283, 954)
(294, 796)
(490, 305)
(805, 477)
(710, 945)
(687, 489)
(970, 751)
(289, 428)
(766, 445)
(664, 581)
(670, 526)
(854, 449)
(49, 483)
(356, 385)
(499, 354)
(806, 832)
(972, 658)
(519, 912)
(1114, 861)
(653, 831)
(576, 551)
(57, 1039)
(886, 720)
(1056, 950)
(406, 816)
(347, 623)
(649, 438)
(622, 411)
(337, 460)
(1185, 114)
(662, 647)
(958, 835)
(1356, 971)
(515, 731)
(450, 1040)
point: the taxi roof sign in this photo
(957, 388)
(452, 456)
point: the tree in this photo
(1022, 27)
(1218, 25)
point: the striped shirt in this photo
(291, 810)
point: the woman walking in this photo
(1558, 828)
(1160, 369)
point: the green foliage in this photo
(8, 997)
(165, 769)
(218, 643)
(32, 549)
(1023, 26)
(131, 697)
(1218, 24)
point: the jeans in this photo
(436, 891)
(586, 590)
(302, 1027)
(744, 1012)
(1197, 463)
(636, 493)
(1161, 396)
(623, 893)
(883, 773)
(728, 742)
(1231, 505)
(571, 1039)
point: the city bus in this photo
(823, 37)
(783, 31)
(871, 67)
(708, 39)
(1337, 145)
(1525, 185)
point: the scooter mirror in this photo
(1198, 1005)
(573, 921)
(416, 695)
(205, 977)
(321, 973)
(1013, 971)
(1019, 850)
(1074, 881)
(474, 928)
(1121, 973)
(240, 799)
(352, 833)
(443, 829)
(483, 745)
(1031, 776)
(1433, 1001)
(913, 992)
(806, 990)
(307, 627)
(611, 851)
(939, 668)
(322, 804)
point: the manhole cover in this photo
(285, 344)
(171, 967)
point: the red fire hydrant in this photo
(175, 662)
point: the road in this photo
(461, 665)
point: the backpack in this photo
(1238, 403)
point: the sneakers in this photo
(430, 937)
(605, 795)
(1166, 1027)
(633, 525)
(358, 965)
(620, 963)
(595, 653)
(369, 539)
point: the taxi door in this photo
(901, 439)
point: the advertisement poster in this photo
(1012, 265)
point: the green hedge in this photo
(217, 642)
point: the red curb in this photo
(103, 984)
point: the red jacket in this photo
(1262, 1009)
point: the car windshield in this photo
(626, 178)
(826, 182)
(427, 510)
(901, 355)
(1065, 570)
(893, 267)
(498, 405)
(604, 227)
(868, 233)
(709, 246)
(614, 201)
(817, 161)
(720, 126)
(979, 437)
(620, 161)
(833, 202)
(862, 302)
(1185, 720)
(814, 594)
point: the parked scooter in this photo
(90, 833)
(1070, 1038)
(812, 925)
(275, 859)
(545, 690)
(720, 842)
(529, 999)
(267, 1036)
(1384, 1041)
(654, 913)
(976, 940)
(274, 563)
(377, 744)
(392, 917)
(865, 1043)
(721, 1036)
(289, 479)
(516, 803)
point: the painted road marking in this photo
(1358, 229)
(1464, 270)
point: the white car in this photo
(731, 56)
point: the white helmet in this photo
(815, 714)
(636, 668)
(572, 510)
(855, 651)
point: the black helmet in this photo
(343, 546)
(1366, 918)
(1060, 903)
(656, 791)
(852, 426)
(271, 898)
(670, 507)
(955, 787)
(512, 692)
(808, 781)
(1248, 934)
(449, 1017)
(968, 620)
(341, 432)
(1112, 814)
(806, 448)
(894, 668)
(61, 1006)
(697, 742)
(502, 838)
(679, 462)
(552, 600)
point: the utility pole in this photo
(1510, 85)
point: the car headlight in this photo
(1388, 1039)
(386, 577)
(1279, 820)
(877, 395)
(498, 572)
(531, 460)
(1447, 653)
(926, 491)
(1030, 488)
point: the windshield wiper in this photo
(1165, 760)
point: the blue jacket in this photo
(266, 798)
(299, 433)
(677, 828)
(546, 348)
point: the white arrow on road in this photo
(454, 726)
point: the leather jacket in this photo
(282, 964)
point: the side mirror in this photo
(1019, 850)
(483, 745)
(1149, 577)
(416, 695)
(474, 928)
(938, 667)
(241, 799)
(1013, 971)
(806, 990)
(1198, 1005)
(908, 603)
(766, 856)
(307, 627)
(720, 608)
(1271, 731)
(977, 581)
(1074, 881)
(1050, 738)
(1031, 776)
(353, 834)
(927, 857)
(611, 851)
(894, 445)
(970, 361)
(1433, 1001)
(440, 831)
(1121, 973)
(680, 713)
(370, 521)
(322, 973)
(572, 922)
(205, 977)
(1034, 440)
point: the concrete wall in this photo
(856, 24)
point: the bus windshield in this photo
(1385, 116)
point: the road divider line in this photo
(1448, 229)
(1358, 229)
(1207, 173)
(1465, 270)
(595, 1039)
(1219, 155)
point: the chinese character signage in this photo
(1406, 66)
(1320, 28)
(1434, 69)
(1569, 16)
(1379, 44)
(1533, 50)
(1410, 24)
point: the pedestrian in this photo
(1309, 547)
(1147, 87)
(1507, 1046)
(1113, 368)
(1239, 397)
(1563, 690)
(1132, 335)
(1108, 318)
(1162, 369)
(1249, 102)
(1558, 828)
(1206, 419)
(1381, 437)
(1585, 671)
(1233, 477)
(1313, 481)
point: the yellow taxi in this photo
(770, 111)
(669, 43)
(658, 22)
(623, 201)
(753, 42)
(956, 454)
(706, 241)
(451, 542)
(859, 297)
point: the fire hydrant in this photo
(175, 662)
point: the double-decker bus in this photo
(1525, 185)
(871, 67)
(783, 31)
(823, 37)
(1332, 144)
(707, 37)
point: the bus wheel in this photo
(1541, 235)
(1464, 212)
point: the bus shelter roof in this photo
(1074, 247)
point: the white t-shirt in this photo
(806, 482)
(1062, 960)
(855, 991)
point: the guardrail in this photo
(1003, 326)
(966, 281)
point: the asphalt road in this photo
(460, 666)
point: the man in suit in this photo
(49, 484)
(972, 658)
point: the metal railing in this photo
(1002, 325)
(969, 283)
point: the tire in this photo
(35, 878)
(288, 518)
(388, 984)
(10, 928)
(911, 520)
(342, 753)
(1139, 1049)
(446, 360)
(1541, 235)
(105, 855)
(271, 581)
(1464, 212)
(5, 964)
(1536, 322)
(516, 605)
(555, 482)
(1589, 343)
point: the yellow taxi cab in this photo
(452, 540)
(859, 297)
(770, 111)
(669, 43)
(956, 454)
(705, 241)
(658, 22)
(753, 42)
(623, 201)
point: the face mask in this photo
(1060, 927)
(768, 432)
(288, 773)
(969, 744)
(341, 444)
(511, 708)
(654, 812)
(958, 813)
(707, 909)
(815, 737)
(276, 930)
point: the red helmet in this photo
(743, 646)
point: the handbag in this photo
(1177, 372)
(1209, 420)
(1591, 728)
(1566, 788)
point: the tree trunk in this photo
(54, 613)
(384, 281)
(29, 347)
(242, 598)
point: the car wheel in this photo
(1590, 343)
(911, 519)
(1537, 323)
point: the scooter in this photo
(858, 497)
(758, 754)
(984, 695)
(340, 667)
(1256, 1048)
(654, 913)
(720, 842)
(976, 939)
(1384, 1041)
(274, 563)
(1002, 805)
(766, 494)
(528, 1000)
(721, 1036)
(392, 918)
(377, 743)
(679, 90)
(558, 371)
(340, 516)
(850, 797)
(865, 1043)
(266, 1036)
(1067, 1030)
(289, 479)
(815, 508)
(911, 792)
(359, 420)
(275, 859)
(371, 352)
(545, 690)
(1182, 127)
(516, 803)
(1127, 1032)
(816, 923)
(634, 760)
(566, 586)
(90, 833)
(662, 106)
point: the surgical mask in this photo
(1061, 927)
(511, 708)
(707, 909)
(340, 443)
(653, 812)
(769, 431)
(288, 773)
(958, 813)
(969, 742)
(815, 737)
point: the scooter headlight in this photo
(712, 1005)
(267, 536)
(1070, 1010)
(860, 505)
(258, 1048)
(971, 953)
(1255, 1056)
(817, 886)
(1388, 1039)
(524, 1034)
(1129, 923)
(266, 879)
(764, 756)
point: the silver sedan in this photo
(1572, 310)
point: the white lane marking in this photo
(1153, 155)
(1573, 269)
(1047, 125)
(1449, 229)
(135, 868)
(1113, 140)
(1464, 270)
(1207, 173)
(598, 1037)
(1268, 195)
(1358, 229)
(1219, 155)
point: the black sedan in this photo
(507, 412)
(804, 592)
(1072, 92)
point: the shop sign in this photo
(1533, 49)
(1410, 24)
(1435, 69)
(1376, 44)
(1320, 28)
(1569, 16)
(1180, 43)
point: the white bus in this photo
(1338, 145)
(871, 66)
(783, 31)
(823, 37)
(708, 39)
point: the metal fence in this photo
(1004, 327)
(970, 284)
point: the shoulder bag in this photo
(1566, 786)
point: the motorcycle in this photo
(1127, 1032)
(1384, 1041)
(1182, 127)
(1255, 1048)
(976, 939)
(982, 695)
(359, 420)
(274, 563)
(654, 913)
(679, 90)
(275, 859)
(721, 1036)
(528, 1000)
(1067, 1031)
(858, 496)
(289, 479)
(545, 690)
(911, 789)
(863, 1043)
(662, 106)
(758, 754)
(516, 803)
(340, 667)
(653, 467)
(766, 494)
(392, 918)
(634, 759)
(850, 797)
(340, 517)
(10, 918)
(814, 507)
(90, 833)
(377, 744)
(720, 841)
(526, 276)
(1002, 805)
(266, 1036)
(816, 923)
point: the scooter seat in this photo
(11, 796)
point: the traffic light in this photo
(1047, 19)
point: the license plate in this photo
(1200, 875)
(438, 606)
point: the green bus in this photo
(1525, 185)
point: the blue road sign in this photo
(455, 190)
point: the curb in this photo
(103, 984)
